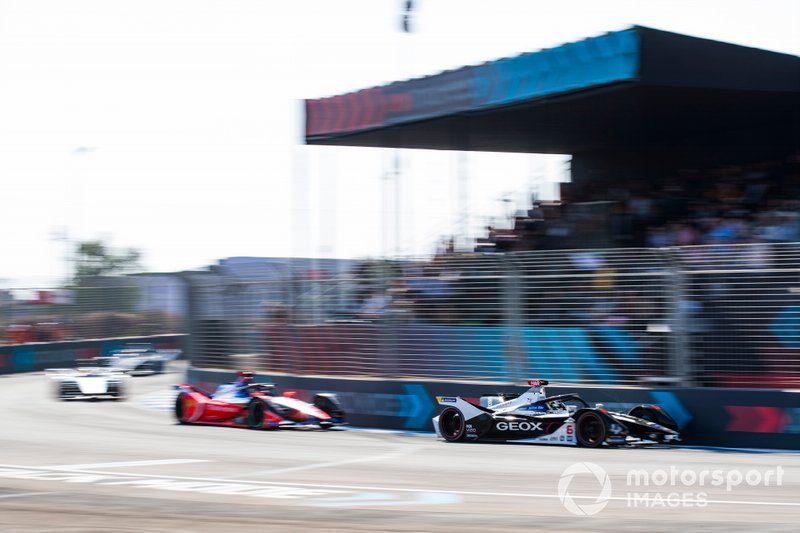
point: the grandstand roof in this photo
(637, 87)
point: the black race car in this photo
(564, 419)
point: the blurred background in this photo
(156, 182)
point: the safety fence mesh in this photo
(101, 307)
(702, 315)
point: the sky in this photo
(175, 126)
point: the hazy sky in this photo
(174, 126)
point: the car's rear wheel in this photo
(117, 392)
(255, 414)
(643, 413)
(590, 430)
(656, 415)
(329, 404)
(452, 425)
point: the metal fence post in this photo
(192, 312)
(387, 326)
(680, 361)
(514, 351)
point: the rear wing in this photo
(82, 371)
(470, 410)
(170, 355)
(60, 371)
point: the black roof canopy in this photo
(636, 90)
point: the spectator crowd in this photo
(724, 205)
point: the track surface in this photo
(126, 466)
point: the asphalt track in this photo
(127, 466)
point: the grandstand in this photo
(655, 123)
(675, 141)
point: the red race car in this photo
(255, 405)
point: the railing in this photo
(102, 307)
(710, 316)
(703, 315)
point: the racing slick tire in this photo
(180, 408)
(150, 367)
(643, 413)
(117, 392)
(649, 414)
(452, 425)
(590, 430)
(255, 413)
(329, 404)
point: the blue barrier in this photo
(33, 357)
(733, 418)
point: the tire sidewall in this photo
(579, 429)
(329, 404)
(459, 435)
(644, 414)
(179, 409)
(255, 413)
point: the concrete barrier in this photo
(735, 418)
(40, 355)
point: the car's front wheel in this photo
(181, 405)
(255, 414)
(329, 404)
(590, 430)
(452, 425)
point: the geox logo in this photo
(519, 426)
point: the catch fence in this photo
(701, 315)
(98, 308)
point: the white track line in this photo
(22, 495)
(388, 455)
(387, 489)
(156, 462)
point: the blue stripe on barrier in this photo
(447, 351)
(594, 368)
(564, 369)
(786, 326)
(482, 349)
(568, 354)
(22, 359)
(623, 345)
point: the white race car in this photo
(138, 359)
(87, 383)
(564, 419)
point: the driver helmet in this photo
(245, 376)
